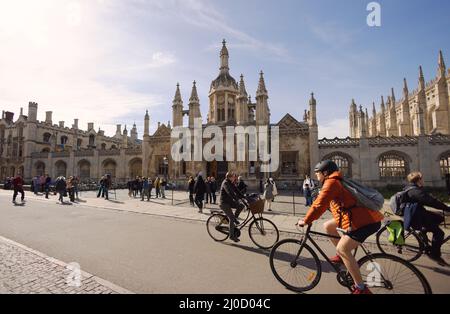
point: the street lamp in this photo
(166, 167)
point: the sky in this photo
(108, 61)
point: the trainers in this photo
(336, 260)
(235, 239)
(364, 291)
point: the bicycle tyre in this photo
(254, 231)
(214, 221)
(413, 275)
(410, 252)
(276, 254)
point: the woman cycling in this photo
(359, 222)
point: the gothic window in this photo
(61, 168)
(163, 165)
(91, 140)
(84, 170)
(445, 164)
(109, 167)
(46, 137)
(393, 166)
(289, 163)
(342, 162)
(103, 146)
(64, 140)
(79, 143)
(231, 112)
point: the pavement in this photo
(144, 247)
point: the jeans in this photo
(308, 200)
(47, 190)
(61, 196)
(199, 201)
(430, 223)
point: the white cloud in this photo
(334, 128)
(57, 53)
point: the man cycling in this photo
(359, 222)
(229, 198)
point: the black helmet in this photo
(326, 165)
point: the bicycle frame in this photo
(336, 268)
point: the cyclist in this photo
(229, 199)
(418, 218)
(359, 222)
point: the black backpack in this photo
(398, 201)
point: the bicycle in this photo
(297, 267)
(263, 232)
(416, 243)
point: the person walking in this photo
(42, 183)
(107, 186)
(163, 187)
(308, 195)
(191, 185)
(213, 189)
(36, 185)
(199, 190)
(158, 187)
(101, 187)
(242, 187)
(48, 182)
(268, 195)
(145, 188)
(60, 187)
(75, 182)
(208, 196)
(69, 188)
(17, 184)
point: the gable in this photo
(289, 122)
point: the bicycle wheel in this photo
(445, 249)
(263, 233)
(296, 274)
(410, 251)
(218, 227)
(389, 274)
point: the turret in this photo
(177, 108)
(262, 107)
(194, 106)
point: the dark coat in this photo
(229, 195)
(415, 212)
(200, 186)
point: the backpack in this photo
(365, 196)
(398, 202)
(395, 229)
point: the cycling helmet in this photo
(326, 165)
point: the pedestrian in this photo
(32, 186)
(213, 189)
(42, 183)
(17, 184)
(75, 182)
(307, 194)
(48, 181)
(268, 195)
(69, 188)
(163, 187)
(308, 181)
(101, 186)
(135, 186)
(208, 197)
(191, 184)
(242, 187)
(145, 188)
(150, 188)
(60, 188)
(36, 185)
(107, 186)
(199, 190)
(158, 187)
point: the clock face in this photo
(221, 99)
(230, 100)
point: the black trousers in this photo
(17, 191)
(430, 222)
(199, 201)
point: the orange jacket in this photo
(334, 196)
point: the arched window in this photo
(46, 137)
(393, 166)
(91, 140)
(79, 143)
(103, 146)
(109, 167)
(444, 163)
(61, 168)
(39, 168)
(64, 140)
(84, 170)
(342, 161)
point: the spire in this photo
(305, 116)
(194, 96)
(392, 97)
(125, 131)
(374, 110)
(441, 71)
(405, 89)
(146, 115)
(224, 56)
(353, 106)
(242, 90)
(312, 111)
(383, 108)
(261, 86)
(421, 79)
(146, 124)
(177, 98)
(312, 101)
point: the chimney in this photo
(21, 111)
(90, 126)
(48, 117)
(9, 116)
(61, 124)
(75, 124)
